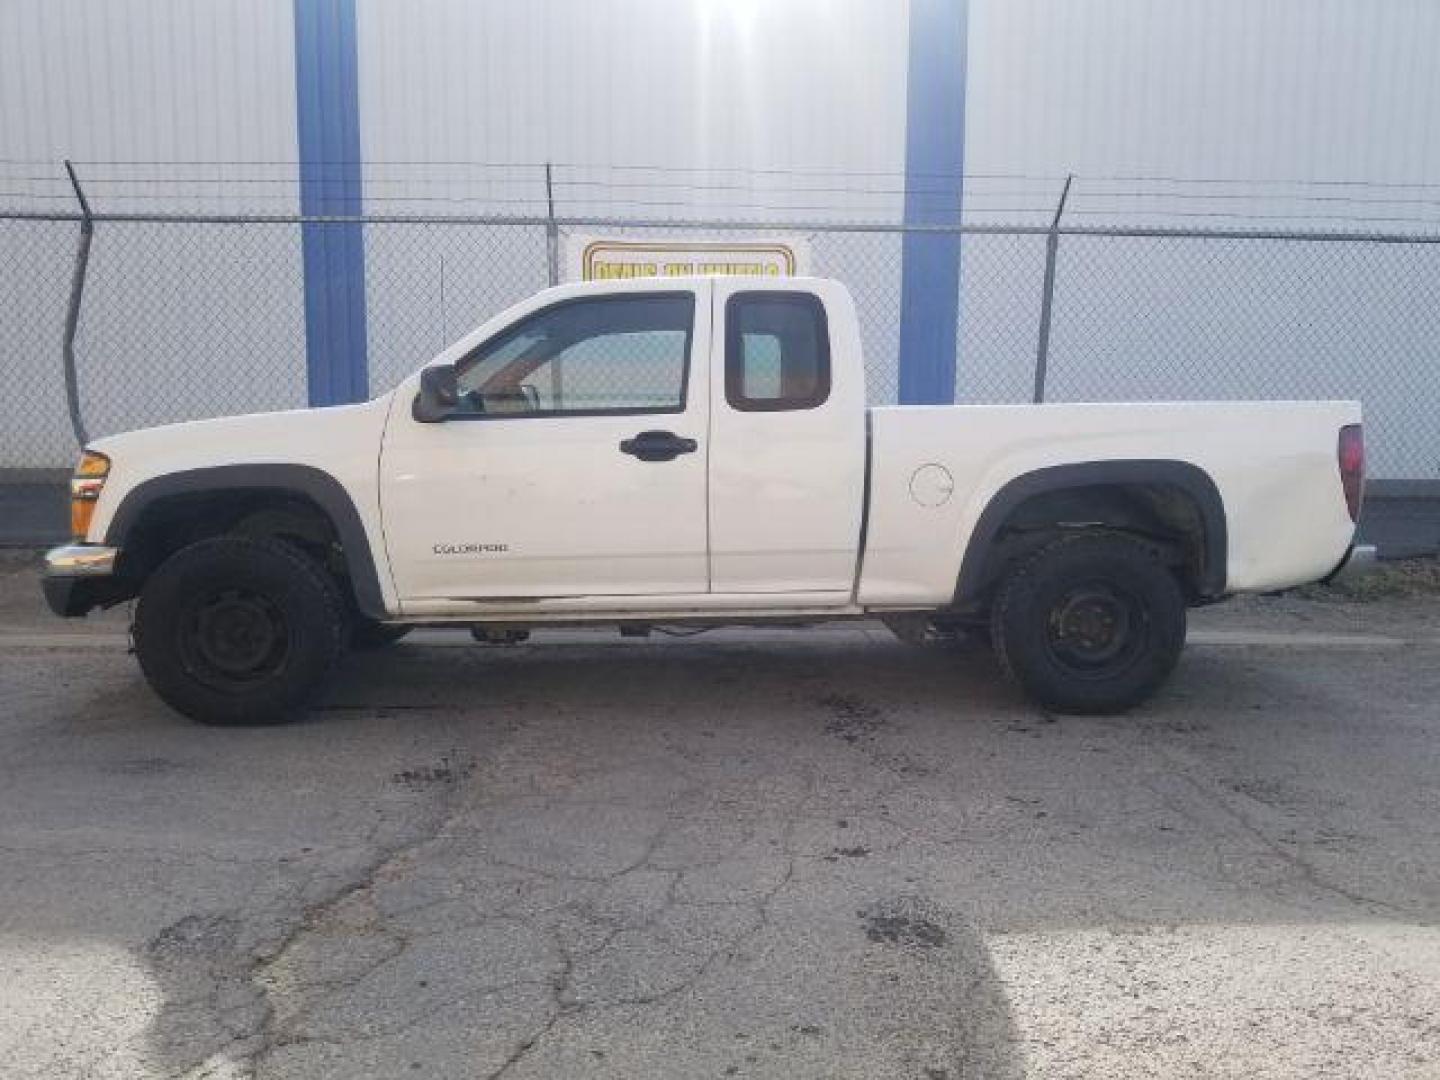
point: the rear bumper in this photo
(80, 577)
(1359, 561)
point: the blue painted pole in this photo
(327, 110)
(934, 168)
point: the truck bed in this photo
(1273, 463)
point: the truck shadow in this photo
(658, 674)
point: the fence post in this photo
(1047, 295)
(444, 322)
(552, 254)
(72, 313)
(552, 231)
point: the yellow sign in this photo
(598, 259)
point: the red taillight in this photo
(1352, 467)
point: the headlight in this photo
(85, 488)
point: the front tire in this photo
(239, 630)
(1090, 624)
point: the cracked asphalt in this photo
(753, 854)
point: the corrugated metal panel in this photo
(746, 84)
(149, 81)
(1316, 90)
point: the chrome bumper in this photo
(1360, 561)
(81, 561)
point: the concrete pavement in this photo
(797, 854)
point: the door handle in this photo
(658, 446)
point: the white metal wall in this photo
(733, 100)
(1280, 90)
(1244, 89)
(1284, 89)
(743, 84)
(107, 80)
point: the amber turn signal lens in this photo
(85, 488)
(93, 464)
(81, 511)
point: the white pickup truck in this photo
(694, 451)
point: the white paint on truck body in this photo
(1274, 464)
(784, 511)
(342, 441)
(575, 516)
(542, 518)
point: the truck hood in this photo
(298, 436)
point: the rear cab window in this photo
(777, 351)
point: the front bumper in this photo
(80, 577)
(81, 561)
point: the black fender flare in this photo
(1194, 481)
(315, 484)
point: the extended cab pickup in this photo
(694, 451)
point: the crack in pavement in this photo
(1301, 869)
(232, 996)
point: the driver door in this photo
(574, 465)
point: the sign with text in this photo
(597, 258)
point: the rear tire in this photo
(1090, 624)
(239, 630)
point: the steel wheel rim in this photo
(1095, 630)
(233, 638)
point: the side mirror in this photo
(439, 394)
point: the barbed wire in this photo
(110, 181)
(629, 189)
(1135, 177)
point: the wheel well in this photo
(1166, 513)
(298, 502)
(172, 522)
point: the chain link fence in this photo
(36, 259)
(182, 321)
(187, 317)
(1178, 318)
(429, 283)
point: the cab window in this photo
(777, 352)
(594, 356)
